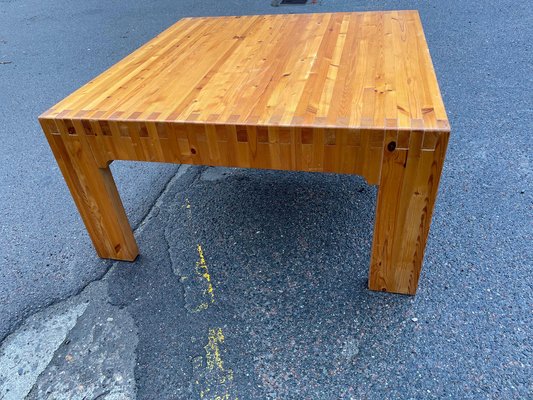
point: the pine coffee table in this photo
(350, 93)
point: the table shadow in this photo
(287, 259)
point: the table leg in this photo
(406, 196)
(96, 196)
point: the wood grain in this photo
(406, 197)
(306, 92)
(340, 70)
(95, 195)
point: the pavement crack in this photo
(101, 395)
(110, 264)
(26, 353)
(154, 210)
(100, 332)
(59, 301)
(190, 263)
(58, 351)
(172, 263)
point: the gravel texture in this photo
(285, 313)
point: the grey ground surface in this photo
(288, 315)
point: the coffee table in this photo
(350, 93)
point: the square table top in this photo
(368, 70)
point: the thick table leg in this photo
(407, 191)
(96, 197)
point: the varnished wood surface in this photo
(407, 192)
(355, 70)
(344, 92)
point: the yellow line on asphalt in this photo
(203, 271)
(217, 383)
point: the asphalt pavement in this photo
(285, 313)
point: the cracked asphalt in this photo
(252, 284)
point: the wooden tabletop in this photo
(357, 70)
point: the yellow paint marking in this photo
(203, 271)
(217, 381)
(200, 291)
(212, 350)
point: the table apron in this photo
(336, 150)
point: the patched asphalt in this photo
(252, 284)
